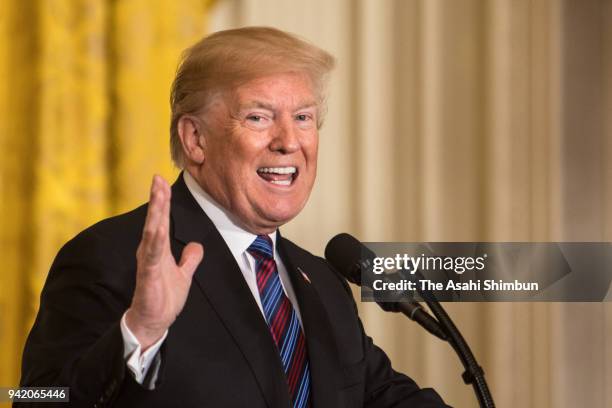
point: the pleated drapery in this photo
(84, 119)
(467, 120)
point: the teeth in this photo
(281, 182)
(278, 170)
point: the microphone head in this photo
(348, 256)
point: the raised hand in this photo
(161, 285)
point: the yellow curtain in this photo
(84, 118)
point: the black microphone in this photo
(350, 257)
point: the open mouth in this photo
(281, 176)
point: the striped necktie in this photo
(283, 322)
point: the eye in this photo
(258, 120)
(304, 120)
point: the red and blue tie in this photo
(283, 322)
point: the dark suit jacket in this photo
(219, 351)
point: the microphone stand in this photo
(351, 266)
(474, 374)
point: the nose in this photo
(285, 140)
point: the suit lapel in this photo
(322, 349)
(221, 281)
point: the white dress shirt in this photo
(238, 240)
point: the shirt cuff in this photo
(137, 361)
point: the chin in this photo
(280, 216)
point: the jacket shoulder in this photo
(120, 233)
(101, 255)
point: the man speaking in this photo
(195, 299)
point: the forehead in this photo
(275, 91)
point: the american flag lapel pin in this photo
(306, 278)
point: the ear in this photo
(191, 133)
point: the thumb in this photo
(191, 257)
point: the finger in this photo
(155, 250)
(152, 254)
(190, 258)
(165, 220)
(153, 211)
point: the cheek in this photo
(233, 159)
(312, 151)
(309, 141)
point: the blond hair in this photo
(227, 59)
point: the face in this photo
(259, 150)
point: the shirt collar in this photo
(237, 239)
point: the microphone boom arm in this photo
(474, 374)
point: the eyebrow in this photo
(256, 104)
(270, 107)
